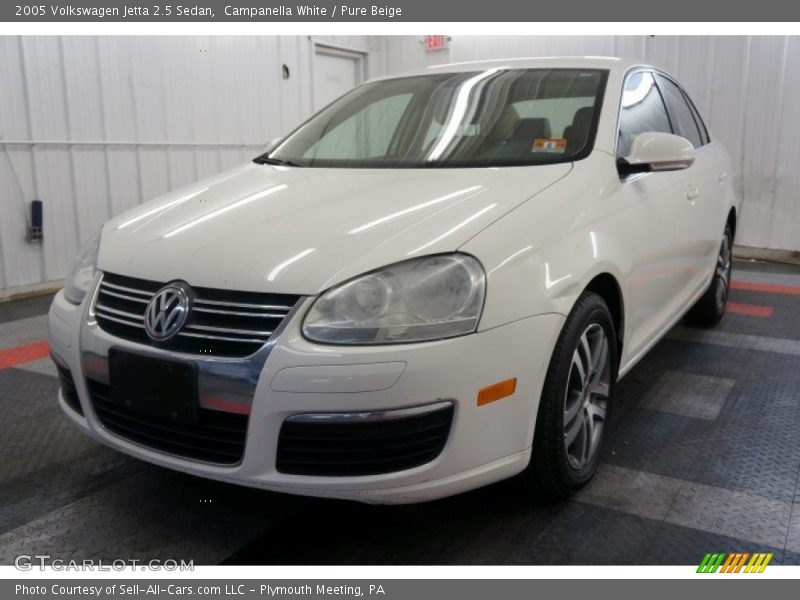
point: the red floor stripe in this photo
(753, 310)
(23, 354)
(789, 290)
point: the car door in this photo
(653, 204)
(698, 214)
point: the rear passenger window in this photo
(682, 118)
(698, 119)
(642, 110)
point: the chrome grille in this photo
(220, 323)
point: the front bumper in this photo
(485, 443)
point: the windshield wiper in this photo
(266, 160)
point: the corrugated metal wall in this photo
(158, 112)
(118, 120)
(747, 88)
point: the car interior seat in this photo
(577, 133)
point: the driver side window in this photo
(642, 110)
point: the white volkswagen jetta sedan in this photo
(431, 285)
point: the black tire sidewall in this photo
(721, 310)
(589, 309)
(706, 312)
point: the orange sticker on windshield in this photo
(558, 145)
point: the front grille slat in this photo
(125, 297)
(365, 436)
(121, 321)
(346, 447)
(334, 462)
(121, 313)
(130, 290)
(240, 305)
(360, 447)
(206, 336)
(216, 436)
(229, 330)
(215, 311)
(402, 451)
(220, 323)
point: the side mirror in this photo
(656, 151)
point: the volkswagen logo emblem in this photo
(167, 312)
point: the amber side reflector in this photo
(498, 391)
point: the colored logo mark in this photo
(735, 562)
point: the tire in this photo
(565, 451)
(710, 308)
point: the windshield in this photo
(498, 117)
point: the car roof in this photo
(563, 62)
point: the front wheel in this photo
(576, 399)
(710, 308)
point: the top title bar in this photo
(352, 11)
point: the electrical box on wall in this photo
(36, 227)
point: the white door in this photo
(653, 202)
(701, 212)
(335, 72)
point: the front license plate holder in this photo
(158, 387)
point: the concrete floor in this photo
(703, 456)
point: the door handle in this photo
(692, 192)
(722, 176)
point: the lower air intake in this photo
(216, 436)
(371, 443)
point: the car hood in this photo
(299, 231)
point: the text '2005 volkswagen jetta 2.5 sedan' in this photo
(431, 285)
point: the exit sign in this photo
(435, 42)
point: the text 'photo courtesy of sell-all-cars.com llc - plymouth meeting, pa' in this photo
(431, 285)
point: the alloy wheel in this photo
(723, 272)
(586, 398)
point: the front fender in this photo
(540, 257)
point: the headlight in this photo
(422, 299)
(82, 272)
